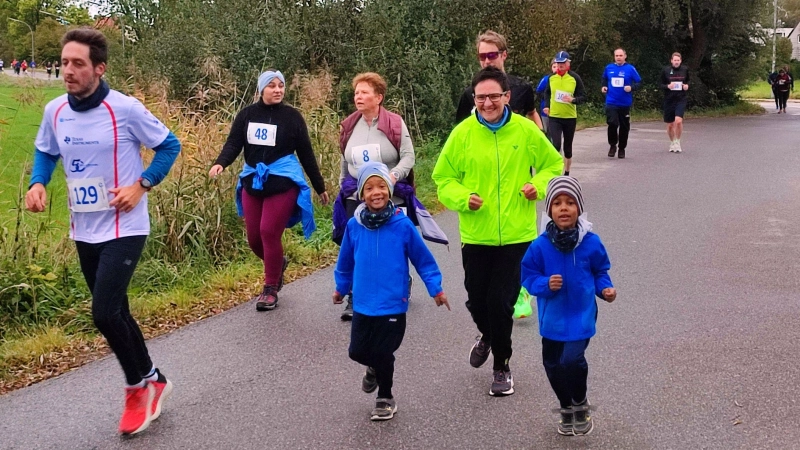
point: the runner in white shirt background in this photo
(97, 132)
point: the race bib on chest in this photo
(88, 195)
(363, 154)
(562, 96)
(261, 134)
(676, 86)
(618, 82)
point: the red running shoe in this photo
(136, 416)
(163, 389)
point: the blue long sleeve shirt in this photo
(374, 264)
(165, 154)
(570, 313)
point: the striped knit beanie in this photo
(564, 185)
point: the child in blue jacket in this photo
(373, 261)
(565, 268)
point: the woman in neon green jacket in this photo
(493, 168)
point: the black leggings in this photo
(782, 97)
(108, 268)
(565, 127)
(373, 341)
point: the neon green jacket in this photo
(571, 84)
(495, 166)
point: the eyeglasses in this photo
(491, 56)
(493, 97)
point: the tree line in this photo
(425, 48)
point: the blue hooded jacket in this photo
(570, 313)
(374, 264)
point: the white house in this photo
(794, 36)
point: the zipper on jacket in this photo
(499, 218)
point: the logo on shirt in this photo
(78, 141)
(79, 166)
(68, 119)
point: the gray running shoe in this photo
(565, 424)
(347, 314)
(502, 383)
(384, 409)
(479, 353)
(582, 423)
(369, 383)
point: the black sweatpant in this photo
(618, 118)
(108, 268)
(492, 281)
(562, 127)
(567, 369)
(373, 341)
(783, 97)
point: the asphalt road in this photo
(698, 351)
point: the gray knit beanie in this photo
(564, 185)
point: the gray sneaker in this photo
(565, 424)
(582, 423)
(384, 409)
(502, 383)
(369, 383)
(479, 353)
(347, 314)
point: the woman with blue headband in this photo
(272, 193)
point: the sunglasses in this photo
(491, 56)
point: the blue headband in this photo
(265, 78)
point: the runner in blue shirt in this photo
(620, 79)
(540, 95)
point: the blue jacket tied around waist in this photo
(288, 167)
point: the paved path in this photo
(698, 351)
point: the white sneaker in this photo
(678, 148)
(672, 148)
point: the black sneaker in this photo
(612, 151)
(369, 383)
(347, 314)
(384, 409)
(283, 271)
(582, 423)
(479, 353)
(268, 299)
(621, 154)
(565, 424)
(502, 383)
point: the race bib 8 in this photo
(362, 154)
(261, 134)
(676, 86)
(88, 195)
(618, 82)
(561, 96)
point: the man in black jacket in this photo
(493, 51)
(674, 82)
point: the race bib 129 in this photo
(88, 195)
(261, 134)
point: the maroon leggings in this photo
(265, 219)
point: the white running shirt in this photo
(100, 149)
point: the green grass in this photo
(22, 105)
(762, 90)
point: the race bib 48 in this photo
(261, 134)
